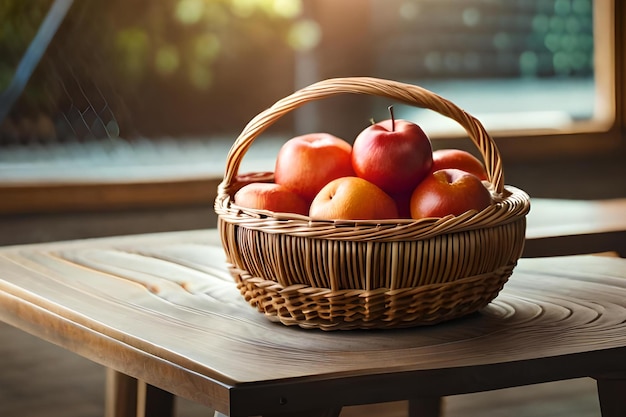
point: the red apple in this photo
(352, 198)
(271, 196)
(449, 191)
(393, 154)
(459, 159)
(403, 203)
(306, 163)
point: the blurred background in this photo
(116, 117)
(148, 69)
(199, 68)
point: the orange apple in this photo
(393, 154)
(352, 198)
(449, 191)
(459, 159)
(307, 163)
(271, 196)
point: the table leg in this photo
(612, 394)
(154, 402)
(121, 395)
(128, 397)
(425, 407)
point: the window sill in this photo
(100, 178)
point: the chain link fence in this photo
(119, 70)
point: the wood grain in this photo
(162, 308)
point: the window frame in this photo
(595, 137)
(598, 137)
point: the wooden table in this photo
(569, 227)
(161, 309)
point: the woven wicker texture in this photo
(362, 274)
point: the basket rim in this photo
(509, 208)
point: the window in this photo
(527, 65)
(161, 89)
(147, 69)
(544, 71)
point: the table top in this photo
(163, 308)
(566, 227)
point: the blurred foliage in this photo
(186, 37)
(20, 21)
(164, 37)
(135, 53)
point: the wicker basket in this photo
(364, 274)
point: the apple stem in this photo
(393, 119)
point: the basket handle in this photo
(405, 93)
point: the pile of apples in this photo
(390, 172)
